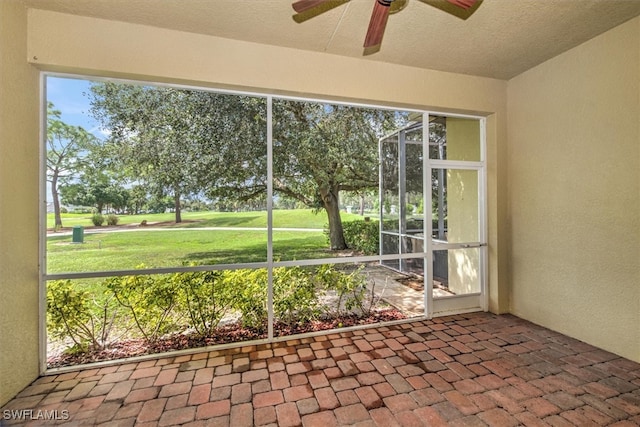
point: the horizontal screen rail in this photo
(257, 265)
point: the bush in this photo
(112, 219)
(159, 304)
(362, 236)
(250, 295)
(73, 314)
(97, 219)
(149, 299)
(350, 288)
(206, 297)
(295, 296)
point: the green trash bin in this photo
(78, 234)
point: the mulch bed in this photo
(224, 335)
(415, 283)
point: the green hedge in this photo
(361, 236)
(364, 236)
(156, 305)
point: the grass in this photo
(180, 244)
(204, 238)
(294, 218)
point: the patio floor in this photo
(468, 370)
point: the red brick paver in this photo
(473, 369)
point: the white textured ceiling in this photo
(501, 39)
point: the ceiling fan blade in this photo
(307, 9)
(462, 9)
(304, 5)
(465, 4)
(377, 23)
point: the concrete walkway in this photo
(409, 301)
(467, 370)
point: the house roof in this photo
(501, 39)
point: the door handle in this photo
(474, 245)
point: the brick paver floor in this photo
(467, 370)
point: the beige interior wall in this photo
(94, 46)
(574, 192)
(498, 222)
(18, 205)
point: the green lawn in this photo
(103, 251)
(295, 218)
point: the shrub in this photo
(249, 288)
(112, 219)
(159, 304)
(97, 219)
(150, 301)
(295, 296)
(206, 297)
(362, 236)
(73, 314)
(350, 288)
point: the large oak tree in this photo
(197, 142)
(321, 150)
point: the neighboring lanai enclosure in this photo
(402, 198)
(435, 190)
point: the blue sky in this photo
(70, 97)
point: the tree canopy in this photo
(182, 142)
(321, 150)
(177, 142)
(67, 148)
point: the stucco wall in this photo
(18, 205)
(574, 191)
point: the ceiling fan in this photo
(381, 10)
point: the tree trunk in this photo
(331, 203)
(176, 201)
(362, 205)
(56, 201)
